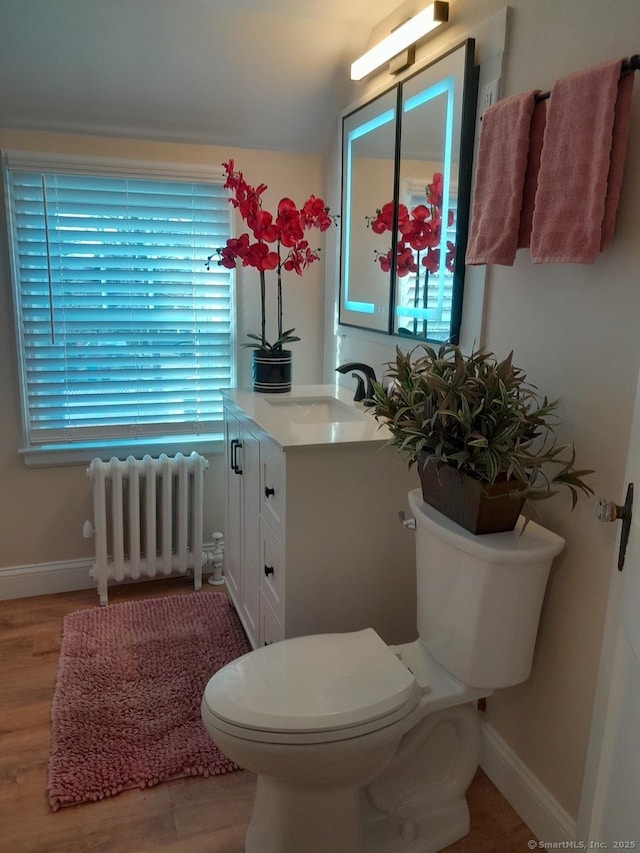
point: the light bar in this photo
(400, 39)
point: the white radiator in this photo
(147, 518)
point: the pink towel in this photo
(500, 172)
(538, 121)
(618, 155)
(581, 165)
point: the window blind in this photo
(122, 331)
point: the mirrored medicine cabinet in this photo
(406, 181)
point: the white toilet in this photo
(359, 746)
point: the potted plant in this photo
(272, 243)
(484, 440)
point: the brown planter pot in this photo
(478, 507)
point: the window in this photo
(122, 332)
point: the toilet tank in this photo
(479, 597)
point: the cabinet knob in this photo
(268, 491)
(268, 570)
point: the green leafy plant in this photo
(479, 415)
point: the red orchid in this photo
(432, 260)
(379, 226)
(384, 261)
(262, 225)
(435, 190)
(421, 213)
(286, 231)
(450, 256)
(315, 214)
(420, 240)
(300, 257)
(419, 235)
(421, 229)
(258, 255)
(233, 250)
(289, 223)
(383, 221)
(405, 261)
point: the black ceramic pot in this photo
(271, 371)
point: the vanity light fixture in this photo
(401, 39)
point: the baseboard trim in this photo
(45, 578)
(67, 575)
(542, 813)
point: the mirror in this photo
(369, 144)
(406, 183)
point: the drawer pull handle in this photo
(268, 570)
(235, 444)
(268, 491)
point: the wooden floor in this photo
(185, 816)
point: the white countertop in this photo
(273, 413)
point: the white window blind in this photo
(122, 331)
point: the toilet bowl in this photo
(315, 718)
(367, 748)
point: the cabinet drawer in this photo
(272, 568)
(272, 485)
(271, 630)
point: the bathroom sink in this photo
(316, 410)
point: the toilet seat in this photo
(313, 689)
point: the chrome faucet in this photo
(356, 368)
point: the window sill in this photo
(52, 455)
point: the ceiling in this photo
(267, 74)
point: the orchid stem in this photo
(279, 293)
(416, 296)
(425, 301)
(263, 325)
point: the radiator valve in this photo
(214, 556)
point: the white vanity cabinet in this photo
(242, 524)
(313, 539)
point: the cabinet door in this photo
(272, 486)
(272, 564)
(271, 630)
(250, 480)
(233, 511)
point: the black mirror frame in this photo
(467, 132)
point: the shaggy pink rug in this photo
(126, 704)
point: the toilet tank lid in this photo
(317, 683)
(528, 543)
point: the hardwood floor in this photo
(185, 816)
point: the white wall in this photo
(574, 330)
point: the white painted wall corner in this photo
(542, 813)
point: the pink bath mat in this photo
(126, 705)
